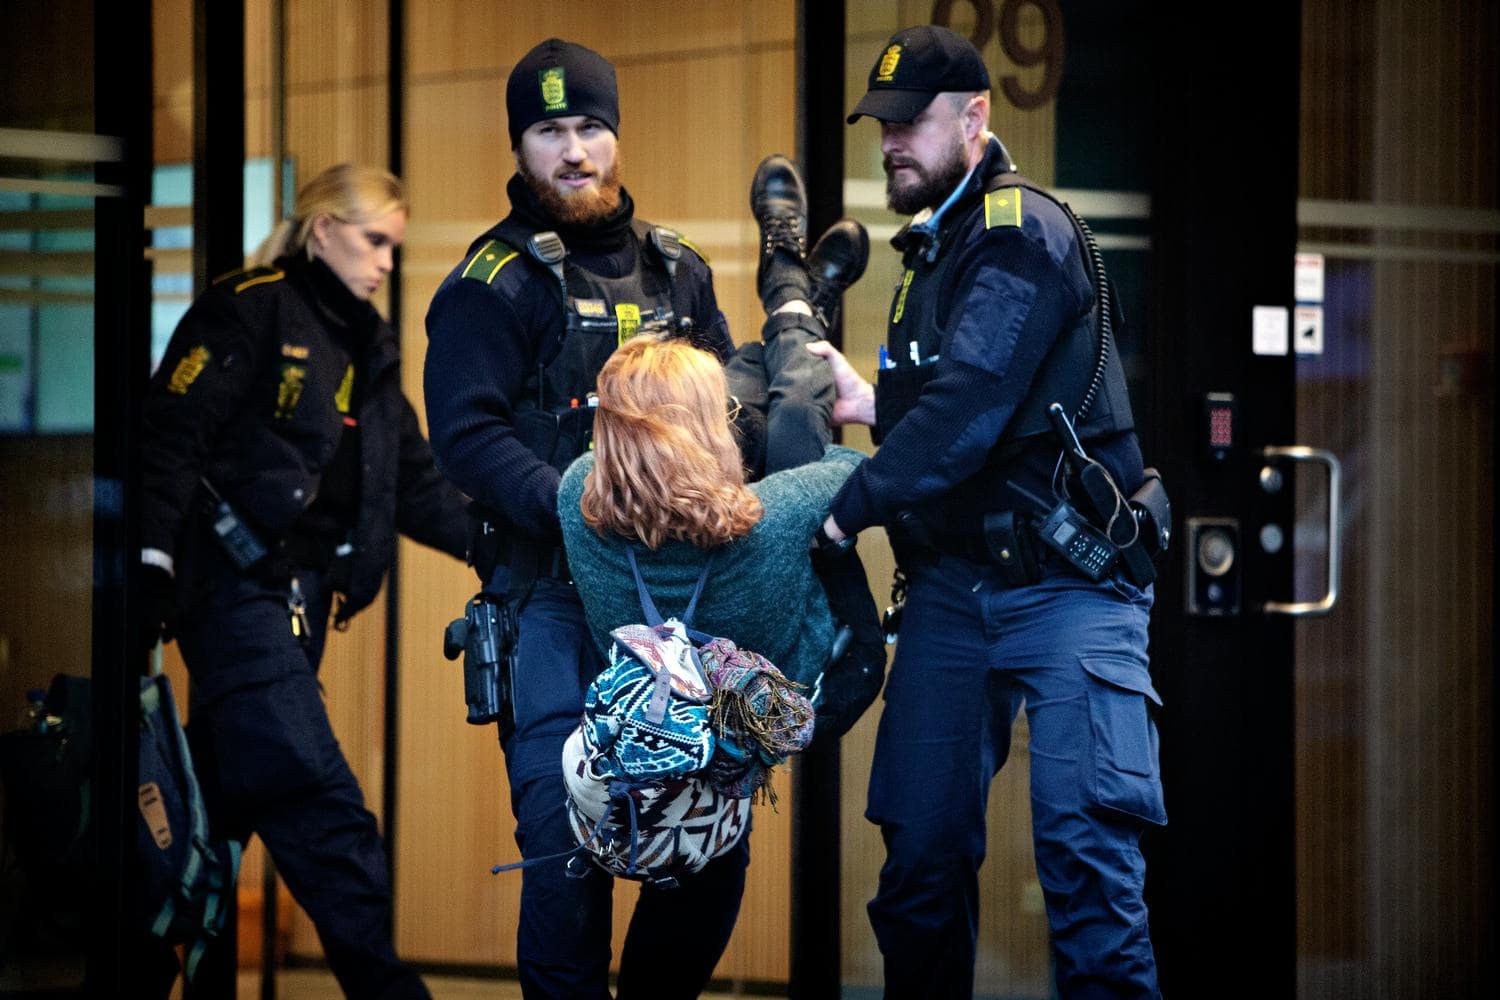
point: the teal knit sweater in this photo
(761, 594)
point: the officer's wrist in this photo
(831, 540)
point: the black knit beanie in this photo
(557, 79)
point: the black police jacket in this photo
(981, 306)
(254, 394)
(496, 333)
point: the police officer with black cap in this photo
(518, 332)
(1018, 544)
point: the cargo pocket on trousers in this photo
(1127, 776)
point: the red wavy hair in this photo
(666, 465)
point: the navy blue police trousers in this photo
(269, 764)
(971, 652)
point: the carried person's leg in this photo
(798, 395)
(697, 917)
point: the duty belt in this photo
(494, 543)
(1007, 541)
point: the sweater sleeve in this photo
(798, 498)
(479, 348)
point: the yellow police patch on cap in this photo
(297, 351)
(1002, 208)
(887, 70)
(554, 84)
(188, 369)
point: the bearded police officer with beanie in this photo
(517, 334)
(996, 316)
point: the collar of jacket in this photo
(354, 321)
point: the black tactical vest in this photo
(554, 416)
(918, 334)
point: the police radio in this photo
(239, 542)
(1068, 533)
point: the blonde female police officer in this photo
(278, 403)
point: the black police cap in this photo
(557, 79)
(916, 65)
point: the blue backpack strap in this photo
(648, 606)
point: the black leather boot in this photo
(836, 262)
(779, 203)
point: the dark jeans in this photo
(792, 387)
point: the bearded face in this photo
(915, 180)
(572, 164)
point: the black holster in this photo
(487, 637)
(1008, 538)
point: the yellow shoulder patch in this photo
(488, 260)
(188, 369)
(1002, 208)
(250, 277)
(693, 247)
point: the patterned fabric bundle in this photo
(654, 831)
(758, 717)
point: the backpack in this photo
(49, 844)
(188, 880)
(679, 733)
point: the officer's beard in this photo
(577, 208)
(932, 186)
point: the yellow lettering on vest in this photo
(901, 298)
(628, 316)
(346, 391)
(289, 393)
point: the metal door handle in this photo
(1309, 609)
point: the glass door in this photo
(1394, 338)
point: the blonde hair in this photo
(345, 191)
(666, 463)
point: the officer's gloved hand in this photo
(158, 605)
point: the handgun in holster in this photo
(486, 637)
